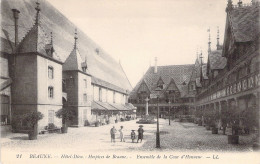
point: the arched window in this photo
(50, 92)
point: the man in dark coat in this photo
(113, 133)
(140, 133)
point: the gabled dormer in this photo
(160, 83)
(172, 87)
(143, 88)
(172, 92)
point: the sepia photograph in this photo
(130, 81)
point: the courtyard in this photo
(179, 136)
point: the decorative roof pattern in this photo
(73, 62)
(244, 22)
(100, 64)
(178, 73)
(216, 61)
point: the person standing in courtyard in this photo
(113, 134)
(133, 135)
(140, 133)
(122, 134)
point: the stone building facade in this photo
(229, 80)
(233, 71)
(43, 70)
(177, 91)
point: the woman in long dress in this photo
(122, 134)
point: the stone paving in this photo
(176, 137)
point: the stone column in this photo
(146, 106)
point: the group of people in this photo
(122, 136)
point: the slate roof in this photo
(36, 40)
(244, 22)
(196, 72)
(74, 62)
(101, 65)
(178, 73)
(216, 60)
(101, 82)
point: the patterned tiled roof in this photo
(74, 62)
(216, 60)
(36, 40)
(244, 22)
(179, 73)
(100, 64)
(101, 82)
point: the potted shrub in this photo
(97, 124)
(66, 115)
(32, 119)
(250, 121)
(233, 119)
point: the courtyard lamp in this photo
(158, 89)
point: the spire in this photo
(229, 6)
(201, 73)
(209, 47)
(75, 38)
(37, 8)
(51, 39)
(218, 46)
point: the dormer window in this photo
(160, 83)
(84, 66)
(84, 69)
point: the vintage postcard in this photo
(129, 81)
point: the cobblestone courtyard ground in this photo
(178, 137)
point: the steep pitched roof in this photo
(101, 65)
(216, 61)
(36, 40)
(244, 22)
(179, 73)
(73, 62)
(172, 86)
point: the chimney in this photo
(16, 17)
(155, 65)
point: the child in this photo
(122, 134)
(133, 135)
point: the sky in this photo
(137, 31)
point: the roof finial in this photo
(229, 6)
(75, 37)
(201, 73)
(209, 47)
(51, 38)
(218, 47)
(37, 8)
(239, 3)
